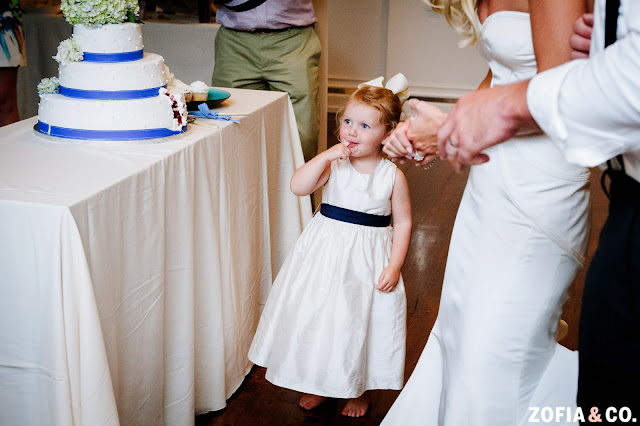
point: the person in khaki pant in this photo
(272, 46)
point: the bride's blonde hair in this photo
(461, 15)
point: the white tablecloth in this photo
(187, 49)
(132, 275)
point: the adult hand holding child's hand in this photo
(397, 145)
(417, 138)
(423, 129)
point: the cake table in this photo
(132, 275)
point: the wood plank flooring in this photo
(435, 196)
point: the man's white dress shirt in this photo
(591, 107)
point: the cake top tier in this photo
(99, 12)
(117, 38)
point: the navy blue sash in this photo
(352, 216)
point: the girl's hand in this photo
(389, 278)
(397, 145)
(580, 40)
(417, 135)
(338, 151)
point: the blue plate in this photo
(216, 97)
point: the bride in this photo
(517, 243)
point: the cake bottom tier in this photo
(109, 120)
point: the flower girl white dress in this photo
(325, 329)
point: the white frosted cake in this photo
(108, 89)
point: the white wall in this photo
(369, 38)
(357, 40)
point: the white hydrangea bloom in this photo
(133, 7)
(98, 12)
(69, 51)
(48, 86)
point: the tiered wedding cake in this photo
(107, 88)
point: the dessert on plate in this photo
(200, 91)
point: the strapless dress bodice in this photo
(506, 44)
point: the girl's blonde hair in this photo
(379, 98)
(462, 16)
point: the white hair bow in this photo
(398, 84)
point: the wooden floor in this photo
(435, 196)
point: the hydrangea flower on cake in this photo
(99, 12)
(68, 51)
(48, 85)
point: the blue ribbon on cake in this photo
(109, 95)
(205, 112)
(113, 57)
(106, 135)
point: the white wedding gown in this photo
(517, 243)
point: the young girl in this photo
(334, 323)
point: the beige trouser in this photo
(285, 61)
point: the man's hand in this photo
(482, 119)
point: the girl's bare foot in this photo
(357, 407)
(309, 401)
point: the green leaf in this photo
(131, 17)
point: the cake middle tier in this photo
(146, 73)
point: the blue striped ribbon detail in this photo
(112, 57)
(107, 135)
(109, 95)
(353, 216)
